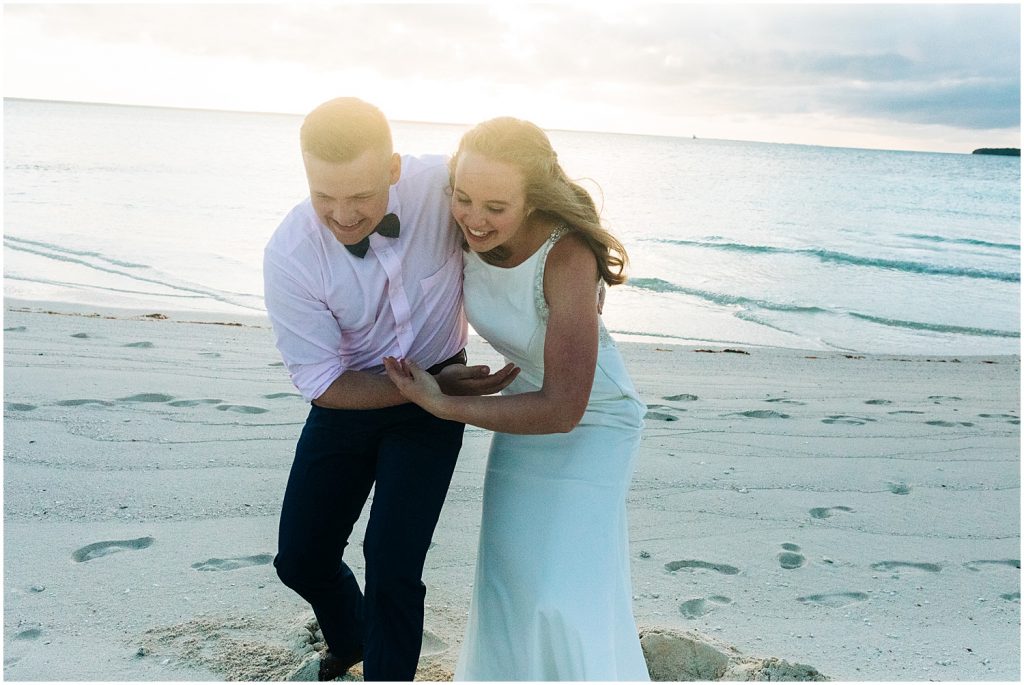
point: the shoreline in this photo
(186, 316)
(855, 513)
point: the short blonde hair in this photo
(341, 129)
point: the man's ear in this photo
(395, 172)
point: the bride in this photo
(552, 597)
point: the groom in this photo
(364, 268)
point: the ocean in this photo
(730, 242)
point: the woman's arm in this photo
(570, 357)
(365, 390)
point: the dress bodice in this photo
(506, 306)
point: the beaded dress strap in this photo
(604, 338)
(538, 289)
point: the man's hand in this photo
(436, 393)
(459, 379)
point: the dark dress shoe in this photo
(332, 667)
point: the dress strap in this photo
(538, 289)
(604, 338)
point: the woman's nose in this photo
(473, 218)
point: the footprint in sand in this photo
(791, 558)
(877, 401)
(851, 420)
(80, 335)
(102, 549)
(232, 564)
(276, 364)
(760, 414)
(281, 395)
(981, 563)
(654, 415)
(1013, 419)
(15, 329)
(1011, 597)
(785, 400)
(212, 355)
(18, 406)
(193, 403)
(898, 488)
(834, 599)
(80, 403)
(699, 606)
(147, 397)
(906, 411)
(242, 409)
(939, 399)
(898, 565)
(142, 345)
(685, 397)
(28, 634)
(949, 424)
(826, 512)
(726, 569)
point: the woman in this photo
(552, 598)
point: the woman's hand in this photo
(414, 383)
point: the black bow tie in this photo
(388, 227)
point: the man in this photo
(367, 267)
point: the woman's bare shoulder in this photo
(571, 251)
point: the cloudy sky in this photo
(936, 77)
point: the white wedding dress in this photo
(552, 598)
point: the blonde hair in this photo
(341, 129)
(548, 190)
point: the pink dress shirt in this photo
(332, 311)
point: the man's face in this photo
(351, 198)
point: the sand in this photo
(794, 514)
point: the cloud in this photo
(953, 65)
(978, 105)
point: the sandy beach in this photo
(794, 514)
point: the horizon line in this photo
(302, 114)
(449, 123)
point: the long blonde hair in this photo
(548, 190)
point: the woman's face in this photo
(488, 201)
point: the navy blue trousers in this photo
(407, 456)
